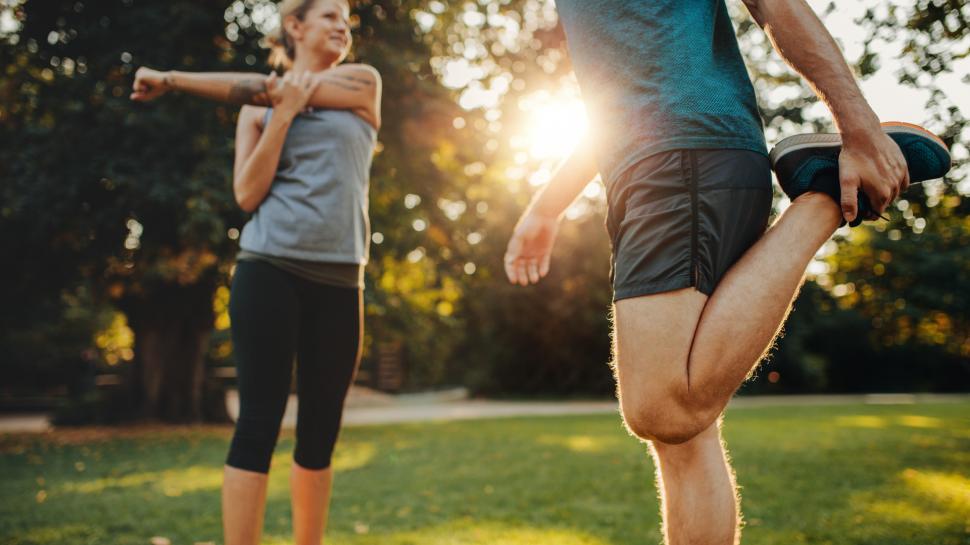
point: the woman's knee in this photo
(317, 428)
(253, 444)
(314, 457)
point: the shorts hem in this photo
(652, 288)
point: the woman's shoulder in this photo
(364, 72)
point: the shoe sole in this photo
(833, 140)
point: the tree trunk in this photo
(172, 325)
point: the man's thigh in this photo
(652, 342)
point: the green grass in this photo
(879, 475)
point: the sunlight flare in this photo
(555, 125)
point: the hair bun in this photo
(275, 37)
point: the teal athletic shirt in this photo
(658, 75)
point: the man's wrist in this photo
(542, 210)
(859, 124)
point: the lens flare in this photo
(554, 127)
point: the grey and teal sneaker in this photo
(810, 162)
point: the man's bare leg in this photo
(749, 306)
(698, 495)
(680, 356)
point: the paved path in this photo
(21, 423)
(389, 410)
(472, 409)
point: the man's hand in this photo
(870, 160)
(530, 248)
(149, 84)
(873, 163)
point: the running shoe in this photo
(810, 162)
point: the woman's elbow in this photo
(247, 207)
(246, 201)
(375, 121)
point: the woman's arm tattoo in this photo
(347, 82)
(249, 91)
(342, 82)
(364, 82)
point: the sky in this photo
(888, 98)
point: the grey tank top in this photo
(316, 208)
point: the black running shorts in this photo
(681, 218)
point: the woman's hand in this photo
(149, 84)
(530, 248)
(290, 94)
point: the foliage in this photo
(829, 346)
(73, 321)
(893, 315)
(130, 204)
(911, 275)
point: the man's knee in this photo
(663, 418)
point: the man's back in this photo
(659, 75)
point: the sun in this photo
(553, 124)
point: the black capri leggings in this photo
(276, 317)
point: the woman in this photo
(304, 143)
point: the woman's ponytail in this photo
(282, 49)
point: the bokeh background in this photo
(119, 230)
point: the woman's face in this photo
(325, 30)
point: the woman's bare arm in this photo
(258, 151)
(258, 146)
(354, 87)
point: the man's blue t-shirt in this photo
(658, 75)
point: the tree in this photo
(130, 205)
(136, 198)
(898, 286)
(133, 200)
(905, 274)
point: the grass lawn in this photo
(879, 475)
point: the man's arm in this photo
(552, 200)
(530, 248)
(870, 160)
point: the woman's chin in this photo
(332, 54)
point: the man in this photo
(700, 288)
